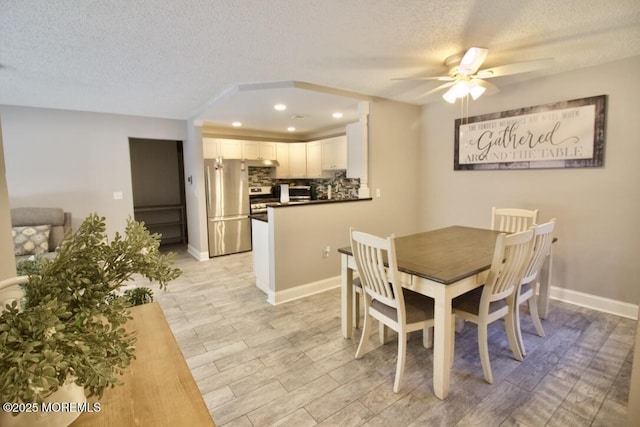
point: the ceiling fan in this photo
(465, 78)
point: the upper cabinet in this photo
(238, 149)
(334, 153)
(314, 159)
(282, 156)
(258, 150)
(297, 160)
(229, 149)
(210, 148)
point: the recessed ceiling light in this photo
(236, 124)
(337, 115)
(291, 129)
(280, 107)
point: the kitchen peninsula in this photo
(295, 245)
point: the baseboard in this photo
(594, 302)
(286, 295)
(200, 256)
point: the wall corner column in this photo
(363, 110)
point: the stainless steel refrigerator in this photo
(227, 190)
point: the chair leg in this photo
(483, 348)
(517, 329)
(533, 310)
(509, 323)
(356, 309)
(364, 339)
(402, 352)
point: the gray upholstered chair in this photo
(57, 220)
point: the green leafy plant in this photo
(133, 297)
(70, 327)
(29, 266)
(138, 296)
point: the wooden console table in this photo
(158, 389)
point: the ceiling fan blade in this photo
(472, 60)
(518, 67)
(436, 89)
(440, 78)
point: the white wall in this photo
(76, 160)
(597, 208)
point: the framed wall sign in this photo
(567, 134)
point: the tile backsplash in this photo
(341, 186)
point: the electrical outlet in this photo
(378, 193)
(326, 251)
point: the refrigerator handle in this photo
(208, 188)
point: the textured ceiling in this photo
(178, 59)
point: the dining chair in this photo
(496, 298)
(385, 299)
(511, 220)
(542, 239)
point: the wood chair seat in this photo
(419, 308)
(470, 302)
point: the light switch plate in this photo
(117, 195)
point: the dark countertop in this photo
(313, 202)
(263, 216)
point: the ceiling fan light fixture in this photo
(449, 96)
(476, 91)
(460, 89)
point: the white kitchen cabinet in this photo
(210, 148)
(229, 149)
(334, 153)
(250, 150)
(238, 149)
(267, 150)
(258, 150)
(314, 159)
(297, 160)
(282, 156)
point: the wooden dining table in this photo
(157, 388)
(441, 264)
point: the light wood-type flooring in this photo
(259, 365)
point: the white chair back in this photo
(376, 261)
(512, 220)
(510, 258)
(542, 239)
